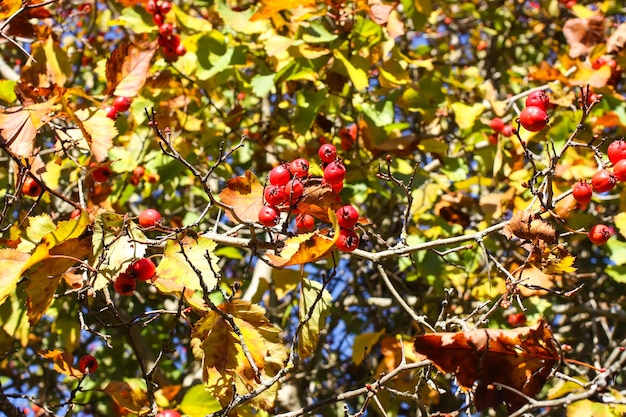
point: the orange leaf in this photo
(127, 68)
(306, 247)
(270, 7)
(521, 359)
(245, 195)
(380, 12)
(9, 7)
(62, 362)
(130, 395)
(317, 200)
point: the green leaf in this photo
(309, 104)
(197, 402)
(262, 84)
(309, 292)
(7, 91)
(357, 75)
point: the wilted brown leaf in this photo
(617, 40)
(270, 7)
(526, 225)
(245, 195)
(317, 200)
(216, 344)
(379, 12)
(127, 68)
(583, 34)
(521, 358)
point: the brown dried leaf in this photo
(521, 358)
(380, 12)
(526, 225)
(317, 200)
(245, 195)
(617, 40)
(583, 34)
(127, 68)
(19, 126)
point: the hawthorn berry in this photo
(533, 118)
(275, 194)
(31, 188)
(599, 234)
(508, 131)
(149, 218)
(142, 269)
(293, 190)
(269, 216)
(168, 413)
(347, 241)
(327, 153)
(582, 192)
(616, 151)
(299, 168)
(75, 214)
(619, 170)
(516, 319)
(304, 222)
(125, 284)
(165, 7)
(158, 18)
(166, 30)
(88, 364)
(347, 216)
(180, 50)
(603, 181)
(337, 187)
(121, 104)
(538, 98)
(335, 172)
(497, 124)
(279, 175)
(151, 6)
(102, 173)
(110, 111)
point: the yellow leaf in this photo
(466, 116)
(219, 347)
(270, 7)
(309, 292)
(20, 124)
(363, 345)
(8, 8)
(62, 362)
(11, 265)
(620, 223)
(358, 76)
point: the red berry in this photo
(533, 118)
(493, 138)
(497, 124)
(348, 136)
(598, 63)
(347, 217)
(619, 170)
(268, 216)
(299, 168)
(603, 181)
(125, 284)
(616, 151)
(335, 172)
(304, 223)
(582, 192)
(110, 112)
(599, 234)
(166, 29)
(165, 7)
(516, 319)
(151, 6)
(168, 413)
(538, 98)
(88, 364)
(158, 18)
(31, 188)
(102, 173)
(142, 269)
(149, 218)
(75, 214)
(121, 104)
(508, 131)
(293, 190)
(180, 50)
(139, 171)
(280, 175)
(275, 194)
(327, 153)
(337, 187)
(347, 240)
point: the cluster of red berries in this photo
(287, 182)
(120, 105)
(534, 117)
(603, 180)
(139, 270)
(499, 127)
(168, 40)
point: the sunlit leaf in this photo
(127, 68)
(62, 362)
(310, 292)
(245, 195)
(11, 265)
(271, 7)
(20, 124)
(98, 130)
(466, 116)
(357, 75)
(131, 395)
(197, 402)
(363, 344)
(9, 7)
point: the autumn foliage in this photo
(303, 207)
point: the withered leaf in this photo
(245, 195)
(583, 34)
(617, 40)
(526, 225)
(127, 68)
(521, 359)
(317, 200)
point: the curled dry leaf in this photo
(526, 225)
(583, 34)
(127, 68)
(522, 359)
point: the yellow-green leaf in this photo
(466, 116)
(363, 344)
(309, 293)
(358, 76)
